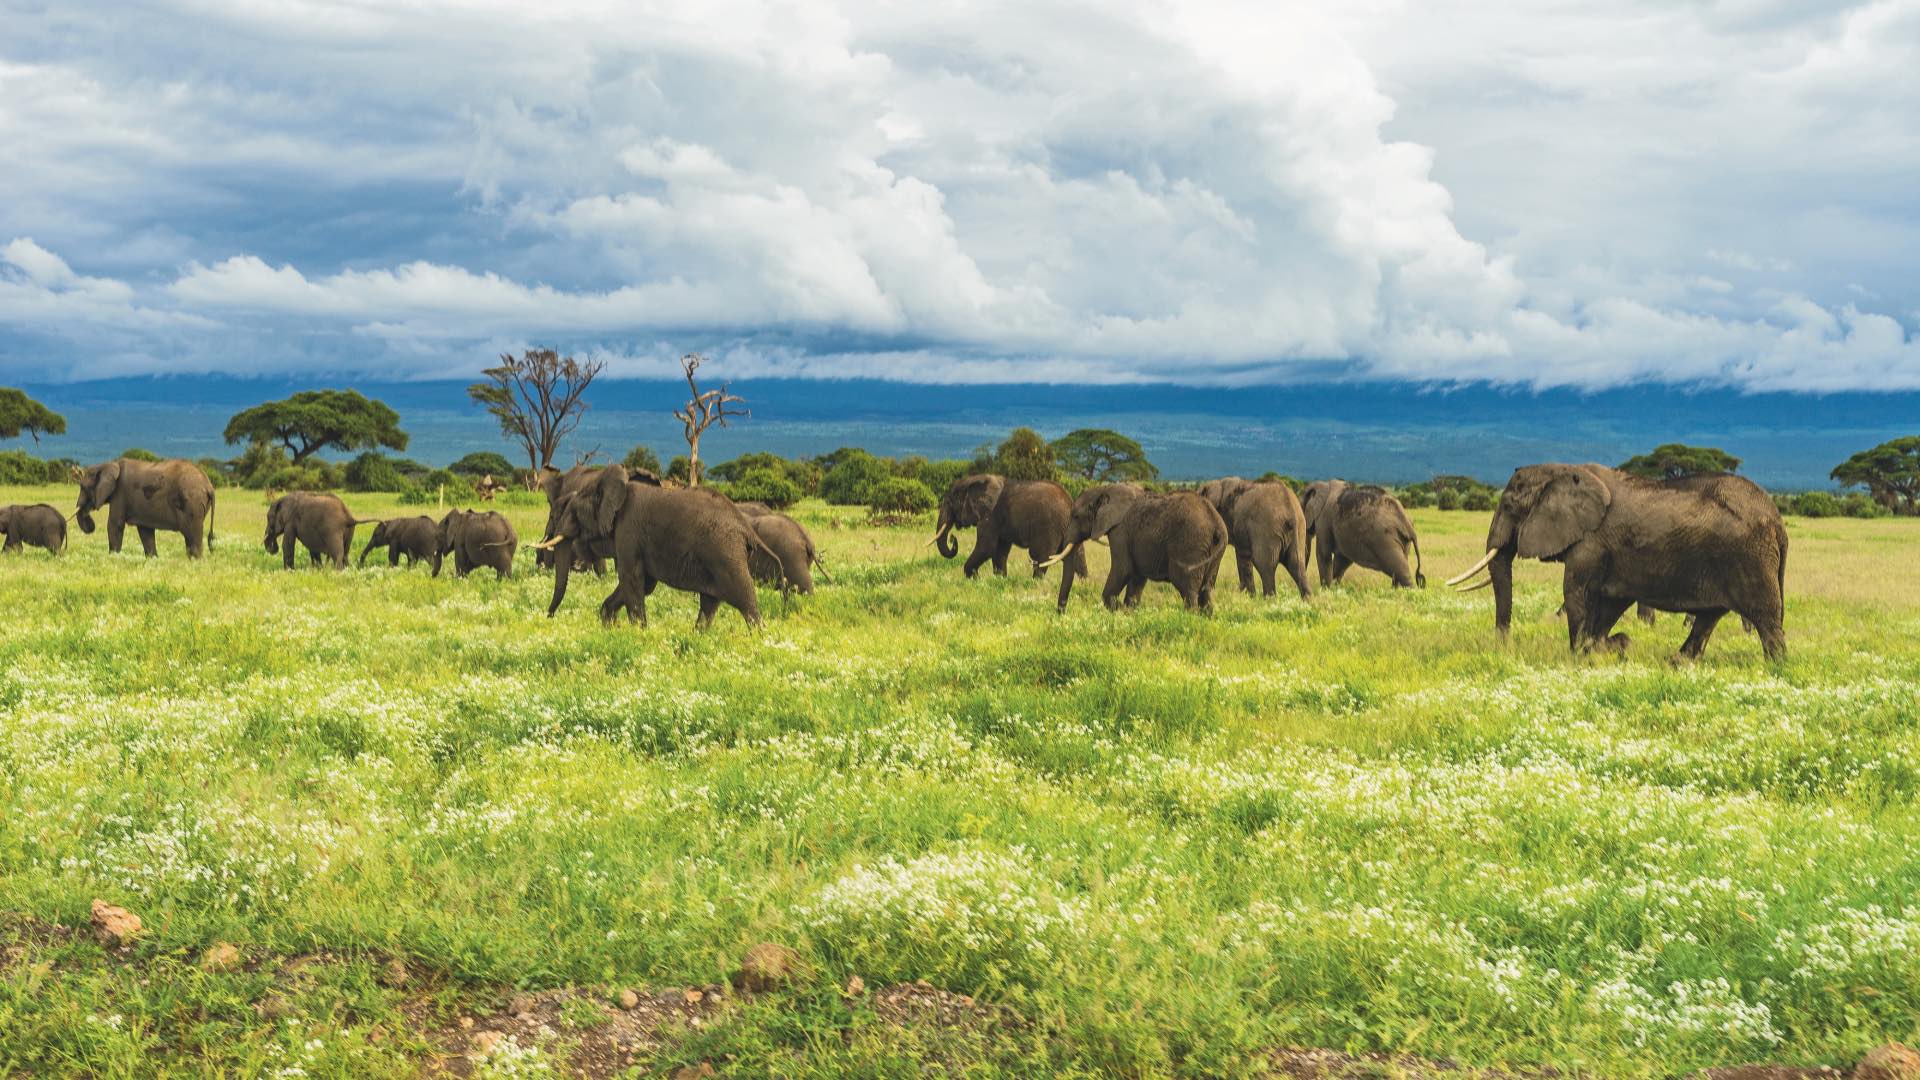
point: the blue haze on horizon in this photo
(1392, 433)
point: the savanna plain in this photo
(1147, 843)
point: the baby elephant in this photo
(791, 545)
(415, 537)
(1177, 538)
(476, 539)
(40, 525)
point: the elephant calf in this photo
(317, 520)
(476, 538)
(793, 556)
(1177, 538)
(1361, 526)
(415, 537)
(40, 525)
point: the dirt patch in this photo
(592, 1030)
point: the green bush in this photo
(374, 471)
(641, 457)
(898, 497)
(1416, 498)
(769, 486)
(1479, 501)
(137, 454)
(679, 469)
(1859, 504)
(940, 475)
(1816, 504)
(20, 467)
(480, 463)
(853, 481)
(1447, 499)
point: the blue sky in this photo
(1549, 194)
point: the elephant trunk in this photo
(943, 540)
(562, 567)
(1500, 571)
(84, 518)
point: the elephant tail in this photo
(213, 497)
(1419, 577)
(755, 544)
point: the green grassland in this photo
(1167, 843)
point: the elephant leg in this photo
(286, 550)
(1696, 643)
(196, 534)
(1066, 582)
(393, 558)
(1000, 555)
(147, 543)
(116, 530)
(1136, 585)
(708, 605)
(1244, 564)
(1645, 614)
(983, 549)
(1606, 612)
(1116, 583)
(1266, 569)
(1297, 570)
(1340, 565)
(1323, 555)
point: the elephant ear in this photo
(1229, 495)
(980, 498)
(610, 496)
(109, 479)
(1109, 512)
(1572, 505)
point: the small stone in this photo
(521, 1005)
(1890, 1062)
(221, 957)
(855, 986)
(629, 1000)
(394, 975)
(693, 997)
(767, 966)
(466, 1022)
(483, 1042)
(113, 925)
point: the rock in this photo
(394, 975)
(114, 926)
(767, 966)
(221, 957)
(1890, 1062)
(629, 1000)
(521, 1005)
(855, 986)
(484, 1041)
(466, 1022)
(693, 997)
(693, 1072)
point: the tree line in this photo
(540, 397)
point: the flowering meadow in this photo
(1167, 843)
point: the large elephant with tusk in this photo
(1006, 514)
(1702, 545)
(1177, 538)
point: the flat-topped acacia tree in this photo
(21, 415)
(314, 420)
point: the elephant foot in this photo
(1617, 644)
(1682, 659)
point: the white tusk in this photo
(1475, 587)
(1476, 568)
(547, 545)
(1055, 559)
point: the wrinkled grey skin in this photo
(39, 525)
(1360, 526)
(149, 495)
(753, 508)
(475, 538)
(319, 521)
(692, 539)
(1007, 514)
(790, 552)
(415, 537)
(1702, 545)
(1178, 538)
(559, 487)
(1267, 529)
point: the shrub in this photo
(940, 475)
(678, 470)
(479, 463)
(1447, 499)
(374, 471)
(1859, 504)
(853, 480)
(1477, 500)
(216, 471)
(769, 486)
(137, 454)
(20, 467)
(641, 457)
(896, 497)
(1816, 504)
(1025, 455)
(1417, 498)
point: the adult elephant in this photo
(40, 525)
(1361, 526)
(790, 555)
(475, 538)
(558, 488)
(692, 539)
(1702, 545)
(319, 521)
(1006, 514)
(1266, 527)
(148, 495)
(415, 537)
(1177, 538)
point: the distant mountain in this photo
(1389, 433)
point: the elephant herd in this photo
(1702, 546)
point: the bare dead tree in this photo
(704, 410)
(538, 399)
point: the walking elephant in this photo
(1030, 514)
(558, 488)
(791, 557)
(1699, 545)
(475, 538)
(319, 521)
(418, 538)
(1361, 526)
(1267, 529)
(691, 539)
(1177, 538)
(39, 525)
(148, 495)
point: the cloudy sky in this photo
(1543, 192)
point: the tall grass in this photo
(1168, 841)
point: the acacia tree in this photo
(313, 420)
(704, 410)
(1102, 456)
(1670, 461)
(20, 414)
(538, 397)
(1890, 472)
